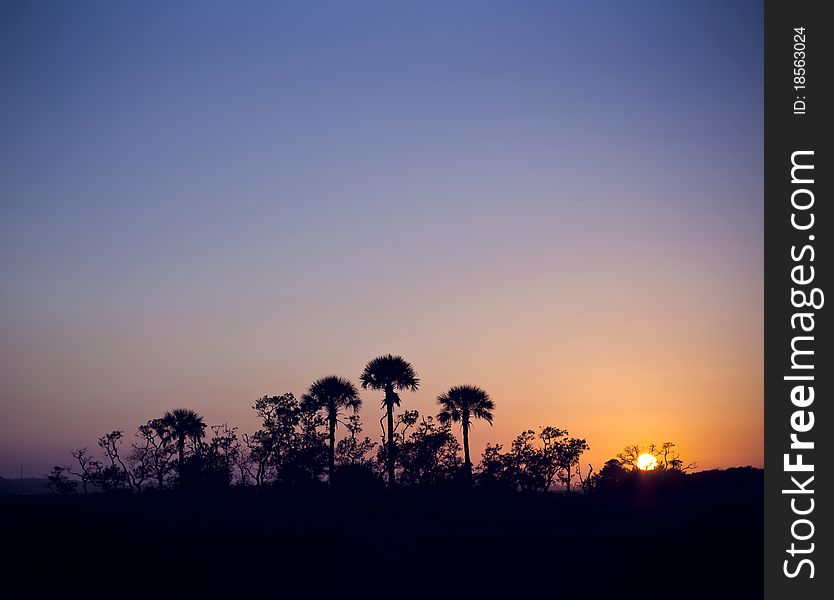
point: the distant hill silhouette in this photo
(25, 486)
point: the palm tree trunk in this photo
(332, 457)
(390, 452)
(181, 458)
(467, 462)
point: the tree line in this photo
(296, 445)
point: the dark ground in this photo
(696, 537)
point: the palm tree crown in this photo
(332, 394)
(465, 402)
(461, 404)
(389, 373)
(181, 424)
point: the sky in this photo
(205, 202)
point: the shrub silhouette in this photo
(429, 456)
(534, 462)
(59, 483)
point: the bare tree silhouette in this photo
(88, 467)
(153, 452)
(351, 449)
(390, 373)
(568, 453)
(461, 404)
(667, 456)
(331, 395)
(116, 475)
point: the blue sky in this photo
(204, 202)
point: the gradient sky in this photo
(205, 202)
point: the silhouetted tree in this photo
(59, 483)
(263, 445)
(429, 455)
(523, 466)
(182, 424)
(88, 468)
(308, 458)
(493, 469)
(153, 453)
(461, 404)
(667, 456)
(352, 450)
(390, 374)
(534, 461)
(587, 482)
(629, 456)
(288, 446)
(568, 453)
(115, 476)
(612, 475)
(402, 423)
(531, 467)
(211, 464)
(548, 464)
(225, 446)
(331, 395)
(560, 455)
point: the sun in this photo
(646, 462)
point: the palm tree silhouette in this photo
(332, 394)
(181, 424)
(461, 404)
(390, 373)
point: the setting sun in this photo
(646, 462)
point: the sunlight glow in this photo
(646, 462)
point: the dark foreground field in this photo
(700, 536)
